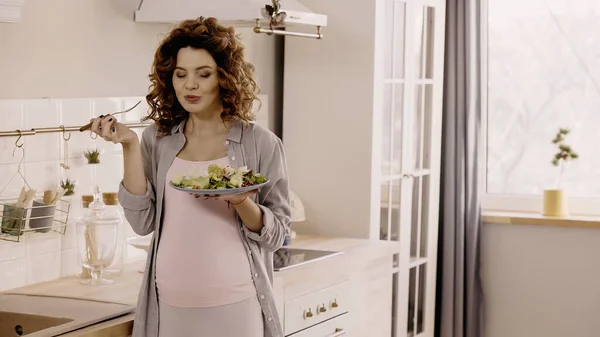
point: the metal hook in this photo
(93, 135)
(18, 139)
(63, 135)
(19, 167)
(20, 146)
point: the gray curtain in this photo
(459, 296)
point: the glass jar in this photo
(97, 237)
(86, 200)
(111, 201)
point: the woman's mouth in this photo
(192, 98)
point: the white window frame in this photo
(512, 202)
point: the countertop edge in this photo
(85, 332)
(524, 218)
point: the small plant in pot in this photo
(92, 156)
(68, 185)
(555, 200)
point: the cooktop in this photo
(287, 257)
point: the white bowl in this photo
(140, 242)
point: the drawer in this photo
(335, 327)
(314, 308)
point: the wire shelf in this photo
(18, 223)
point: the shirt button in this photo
(233, 158)
(255, 275)
(262, 297)
(269, 319)
(249, 252)
(226, 142)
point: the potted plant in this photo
(69, 186)
(555, 200)
(93, 156)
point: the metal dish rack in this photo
(17, 224)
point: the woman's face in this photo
(196, 81)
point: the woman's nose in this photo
(191, 83)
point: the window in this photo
(543, 73)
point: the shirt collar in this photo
(179, 127)
(235, 130)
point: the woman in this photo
(210, 267)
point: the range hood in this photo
(280, 17)
(10, 10)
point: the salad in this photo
(217, 178)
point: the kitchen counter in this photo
(288, 284)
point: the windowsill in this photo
(523, 218)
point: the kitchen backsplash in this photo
(46, 258)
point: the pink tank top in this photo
(201, 260)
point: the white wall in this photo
(92, 48)
(328, 118)
(70, 48)
(69, 60)
(541, 281)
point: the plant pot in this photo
(555, 203)
(42, 216)
(13, 220)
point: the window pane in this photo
(399, 38)
(389, 38)
(385, 215)
(420, 218)
(425, 222)
(544, 74)
(386, 130)
(421, 129)
(396, 285)
(412, 299)
(390, 211)
(424, 42)
(394, 36)
(421, 298)
(397, 128)
(395, 210)
(416, 223)
(391, 135)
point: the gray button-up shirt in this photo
(247, 145)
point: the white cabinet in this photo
(331, 328)
(349, 294)
(362, 130)
(317, 307)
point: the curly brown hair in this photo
(238, 89)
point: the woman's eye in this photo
(207, 75)
(180, 75)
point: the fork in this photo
(89, 125)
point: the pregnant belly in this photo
(203, 274)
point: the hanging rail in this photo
(271, 31)
(61, 128)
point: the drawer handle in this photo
(308, 314)
(334, 304)
(338, 332)
(322, 308)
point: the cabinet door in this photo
(336, 327)
(409, 46)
